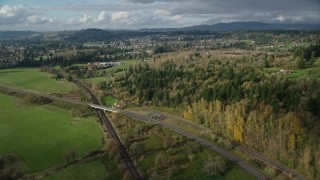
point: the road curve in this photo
(276, 165)
(204, 142)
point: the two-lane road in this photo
(146, 118)
(204, 142)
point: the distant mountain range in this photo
(234, 26)
(118, 34)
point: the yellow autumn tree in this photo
(188, 113)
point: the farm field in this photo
(43, 135)
(34, 79)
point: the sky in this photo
(57, 15)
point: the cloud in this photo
(281, 18)
(176, 17)
(85, 19)
(142, 1)
(35, 19)
(120, 18)
(153, 1)
(135, 14)
(71, 21)
(102, 16)
(12, 14)
(161, 12)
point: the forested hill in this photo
(234, 94)
(254, 26)
(91, 35)
(235, 26)
(7, 35)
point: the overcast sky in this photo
(44, 15)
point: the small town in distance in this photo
(159, 90)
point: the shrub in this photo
(215, 166)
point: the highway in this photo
(204, 142)
(135, 115)
(288, 172)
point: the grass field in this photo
(34, 79)
(43, 135)
(125, 64)
(311, 72)
(89, 170)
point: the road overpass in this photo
(146, 118)
(96, 106)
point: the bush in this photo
(37, 99)
(82, 111)
(160, 161)
(136, 148)
(215, 166)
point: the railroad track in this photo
(123, 153)
(125, 157)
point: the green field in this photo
(41, 136)
(89, 170)
(125, 64)
(34, 79)
(311, 71)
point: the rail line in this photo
(125, 157)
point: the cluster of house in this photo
(101, 65)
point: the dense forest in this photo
(234, 94)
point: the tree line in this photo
(276, 115)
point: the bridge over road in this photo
(136, 115)
(96, 106)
